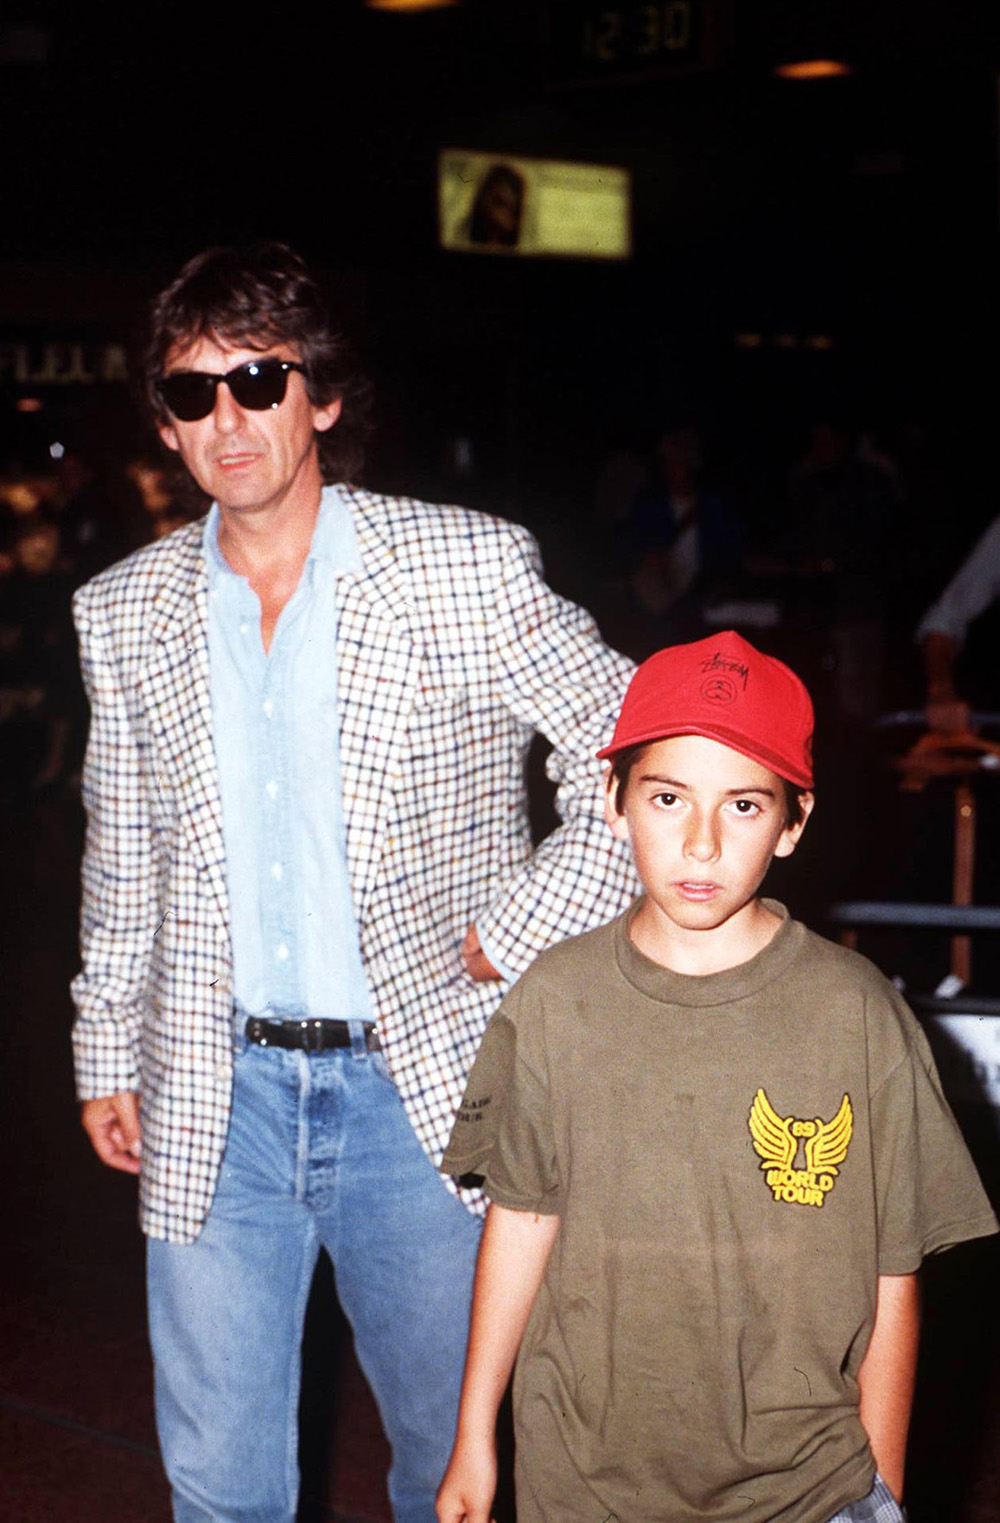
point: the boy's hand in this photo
(887, 1375)
(470, 1482)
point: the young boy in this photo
(717, 1151)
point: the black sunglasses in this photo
(255, 385)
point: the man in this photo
(307, 859)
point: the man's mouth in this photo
(235, 460)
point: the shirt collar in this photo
(334, 541)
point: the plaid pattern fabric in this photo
(879, 1506)
(451, 652)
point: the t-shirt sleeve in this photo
(503, 1130)
(929, 1195)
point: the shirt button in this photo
(271, 789)
(268, 707)
(277, 871)
(244, 628)
(282, 953)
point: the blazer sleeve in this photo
(557, 675)
(118, 917)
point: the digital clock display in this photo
(594, 40)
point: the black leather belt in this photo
(309, 1036)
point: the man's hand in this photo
(112, 1124)
(477, 964)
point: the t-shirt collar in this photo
(707, 989)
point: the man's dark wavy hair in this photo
(255, 297)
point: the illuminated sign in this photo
(492, 203)
(67, 363)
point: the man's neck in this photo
(269, 546)
(269, 540)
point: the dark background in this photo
(862, 210)
(859, 211)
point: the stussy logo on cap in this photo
(777, 1140)
(720, 687)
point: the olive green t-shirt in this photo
(735, 1159)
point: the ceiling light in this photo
(813, 68)
(409, 5)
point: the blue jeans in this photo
(879, 1506)
(320, 1154)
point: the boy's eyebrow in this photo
(731, 793)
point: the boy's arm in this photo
(512, 1259)
(887, 1375)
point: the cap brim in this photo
(780, 765)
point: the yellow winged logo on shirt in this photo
(824, 1144)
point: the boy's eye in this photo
(665, 800)
(746, 806)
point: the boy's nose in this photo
(702, 843)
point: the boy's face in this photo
(703, 823)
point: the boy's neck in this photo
(696, 951)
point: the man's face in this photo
(250, 461)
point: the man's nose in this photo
(227, 414)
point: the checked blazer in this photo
(451, 652)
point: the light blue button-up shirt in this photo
(296, 948)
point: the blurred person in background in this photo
(22, 498)
(682, 540)
(844, 509)
(99, 508)
(40, 696)
(835, 560)
(942, 630)
(164, 513)
(308, 876)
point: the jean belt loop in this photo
(240, 1042)
(359, 1046)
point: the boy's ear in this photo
(616, 823)
(790, 836)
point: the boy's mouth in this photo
(690, 888)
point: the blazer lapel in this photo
(378, 666)
(176, 686)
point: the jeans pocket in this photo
(380, 1067)
(879, 1506)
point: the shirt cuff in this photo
(505, 973)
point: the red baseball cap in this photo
(726, 690)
